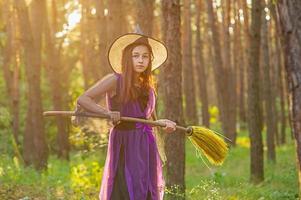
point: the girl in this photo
(133, 168)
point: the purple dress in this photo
(132, 156)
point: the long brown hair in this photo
(128, 90)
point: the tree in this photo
(11, 67)
(289, 12)
(223, 82)
(240, 62)
(35, 147)
(172, 96)
(200, 66)
(268, 92)
(56, 71)
(188, 68)
(144, 15)
(254, 123)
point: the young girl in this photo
(133, 168)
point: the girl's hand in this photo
(170, 126)
(114, 116)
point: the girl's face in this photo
(141, 58)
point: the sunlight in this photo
(217, 3)
(106, 11)
(267, 17)
(241, 15)
(93, 11)
(28, 2)
(231, 31)
(74, 18)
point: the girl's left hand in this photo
(170, 126)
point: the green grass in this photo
(231, 180)
(80, 178)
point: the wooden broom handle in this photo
(126, 119)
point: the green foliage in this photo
(6, 135)
(78, 179)
(5, 118)
(85, 177)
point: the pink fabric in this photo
(143, 167)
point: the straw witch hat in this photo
(115, 51)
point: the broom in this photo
(205, 140)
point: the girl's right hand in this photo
(170, 126)
(114, 116)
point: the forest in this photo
(233, 67)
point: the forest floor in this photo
(80, 177)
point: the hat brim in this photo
(160, 52)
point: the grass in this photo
(231, 180)
(80, 178)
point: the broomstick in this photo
(205, 140)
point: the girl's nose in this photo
(140, 59)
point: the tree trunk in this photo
(91, 71)
(35, 147)
(267, 94)
(56, 72)
(281, 79)
(241, 64)
(254, 123)
(289, 16)
(188, 69)
(115, 21)
(144, 15)
(223, 82)
(101, 29)
(200, 67)
(229, 76)
(175, 143)
(11, 70)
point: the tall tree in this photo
(91, 71)
(200, 65)
(279, 62)
(224, 84)
(230, 74)
(115, 20)
(188, 68)
(254, 124)
(172, 96)
(55, 73)
(289, 16)
(35, 147)
(246, 38)
(268, 91)
(145, 15)
(240, 62)
(11, 67)
(101, 29)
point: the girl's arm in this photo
(87, 99)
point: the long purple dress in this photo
(132, 156)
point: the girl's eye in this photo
(135, 56)
(145, 56)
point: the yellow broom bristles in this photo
(210, 144)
